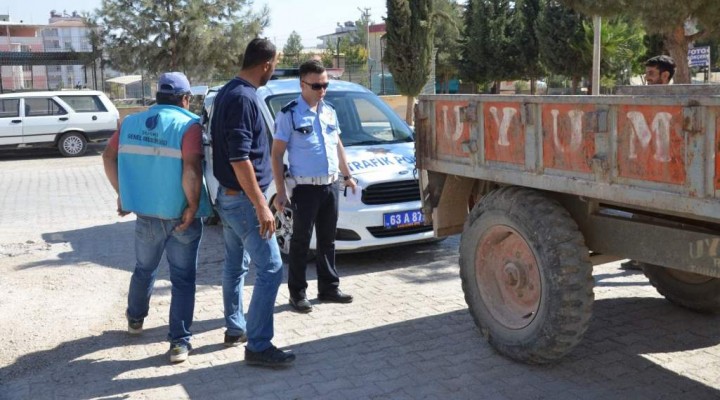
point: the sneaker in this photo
(179, 352)
(271, 357)
(232, 341)
(135, 326)
(301, 305)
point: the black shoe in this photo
(232, 341)
(271, 357)
(301, 305)
(631, 265)
(335, 297)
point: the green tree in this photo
(409, 46)
(485, 48)
(560, 35)
(525, 41)
(447, 41)
(292, 51)
(666, 17)
(622, 46)
(198, 37)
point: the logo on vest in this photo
(152, 122)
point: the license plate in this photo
(403, 219)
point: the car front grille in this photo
(381, 232)
(391, 192)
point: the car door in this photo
(10, 122)
(44, 119)
(89, 114)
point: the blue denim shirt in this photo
(312, 138)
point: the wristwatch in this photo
(347, 177)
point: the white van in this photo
(67, 120)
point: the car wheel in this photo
(72, 144)
(283, 232)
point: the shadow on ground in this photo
(112, 246)
(441, 356)
(40, 153)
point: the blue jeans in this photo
(153, 236)
(245, 247)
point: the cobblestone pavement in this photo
(65, 262)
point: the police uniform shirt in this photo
(311, 137)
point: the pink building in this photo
(21, 37)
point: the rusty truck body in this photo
(544, 187)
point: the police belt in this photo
(313, 180)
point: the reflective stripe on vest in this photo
(150, 151)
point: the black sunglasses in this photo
(317, 86)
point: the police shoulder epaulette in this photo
(289, 106)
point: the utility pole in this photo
(366, 18)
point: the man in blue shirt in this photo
(241, 164)
(309, 130)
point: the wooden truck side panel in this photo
(653, 153)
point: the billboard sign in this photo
(699, 56)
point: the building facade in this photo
(21, 37)
(68, 33)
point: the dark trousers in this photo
(313, 205)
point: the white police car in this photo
(381, 155)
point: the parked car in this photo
(67, 120)
(380, 152)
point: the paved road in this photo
(65, 262)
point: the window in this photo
(42, 106)
(364, 119)
(9, 108)
(84, 103)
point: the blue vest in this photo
(150, 163)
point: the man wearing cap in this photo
(154, 163)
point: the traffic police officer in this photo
(308, 129)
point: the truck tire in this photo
(696, 292)
(526, 274)
(72, 144)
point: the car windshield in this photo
(364, 118)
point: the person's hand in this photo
(280, 201)
(351, 184)
(267, 221)
(188, 216)
(119, 208)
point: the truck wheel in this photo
(693, 291)
(526, 274)
(72, 144)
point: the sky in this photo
(285, 15)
